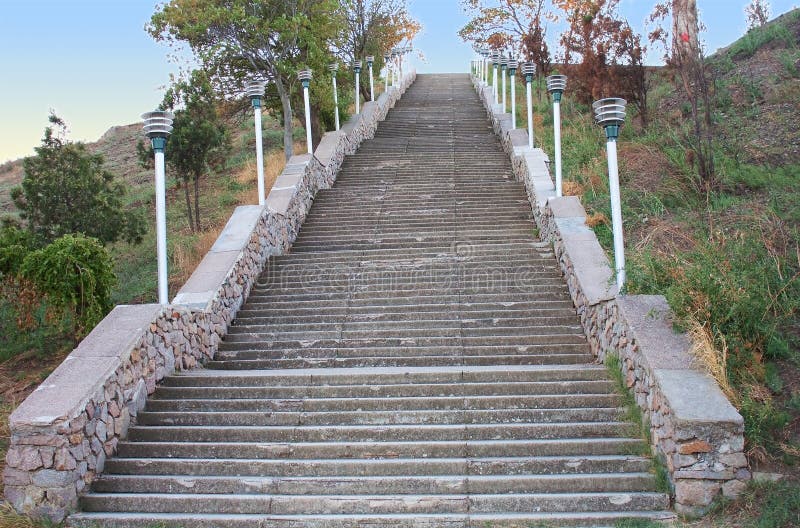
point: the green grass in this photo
(776, 33)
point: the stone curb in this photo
(63, 432)
(694, 429)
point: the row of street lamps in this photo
(158, 126)
(608, 113)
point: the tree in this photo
(758, 13)
(236, 39)
(685, 55)
(373, 27)
(66, 189)
(629, 74)
(499, 23)
(198, 138)
(76, 274)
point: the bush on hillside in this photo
(76, 275)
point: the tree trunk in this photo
(188, 205)
(197, 201)
(288, 128)
(316, 127)
(685, 28)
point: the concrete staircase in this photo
(415, 361)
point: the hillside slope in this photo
(728, 260)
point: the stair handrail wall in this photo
(63, 432)
(693, 429)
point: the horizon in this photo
(97, 87)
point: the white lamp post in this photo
(304, 76)
(485, 69)
(513, 64)
(157, 127)
(610, 114)
(503, 65)
(529, 70)
(334, 68)
(556, 84)
(495, 64)
(370, 62)
(255, 89)
(357, 70)
(386, 58)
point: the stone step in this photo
(383, 485)
(290, 311)
(517, 401)
(398, 390)
(389, 450)
(472, 520)
(308, 341)
(380, 466)
(397, 361)
(396, 417)
(384, 322)
(384, 433)
(385, 377)
(581, 349)
(371, 504)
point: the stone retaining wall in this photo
(62, 434)
(694, 430)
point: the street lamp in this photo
(157, 127)
(556, 84)
(334, 68)
(513, 64)
(370, 61)
(304, 76)
(357, 70)
(485, 70)
(386, 58)
(503, 65)
(255, 90)
(529, 70)
(495, 63)
(610, 114)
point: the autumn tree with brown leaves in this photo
(510, 24)
(606, 53)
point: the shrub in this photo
(76, 274)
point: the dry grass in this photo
(596, 219)
(571, 188)
(11, 519)
(187, 258)
(714, 360)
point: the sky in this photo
(93, 64)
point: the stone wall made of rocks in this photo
(62, 434)
(694, 430)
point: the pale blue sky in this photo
(92, 62)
